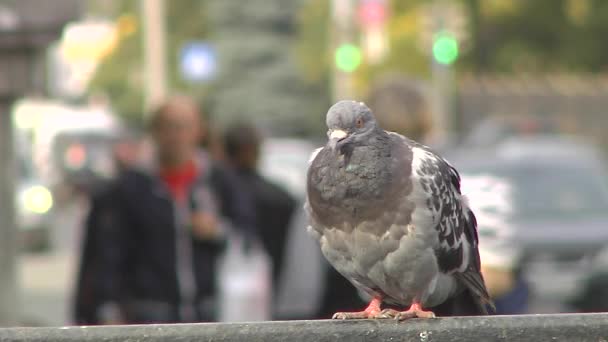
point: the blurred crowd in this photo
(188, 230)
(195, 215)
(193, 223)
(202, 225)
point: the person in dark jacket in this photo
(125, 152)
(86, 299)
(274, 207)
(165, 228)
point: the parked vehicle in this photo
(84, 159)
(560, 208)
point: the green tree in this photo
(259, 78)
(504, 36)
(404, 57)
(120, 75)
(538, 36)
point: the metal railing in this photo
(561, 327)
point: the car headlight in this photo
(37, 199)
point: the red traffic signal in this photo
(372, 12)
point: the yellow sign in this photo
(126, 25)
(91, 41)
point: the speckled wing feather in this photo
(389, 216)
(457, 252)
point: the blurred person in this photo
(592, 295)
(86, 301)
(214, 145)
(491, 199)
(402, 106)
(274, 207)
(163, 228)
(338, 294)
(126, 152)
(309, 287)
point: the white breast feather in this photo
(313, 155)
(423, 217)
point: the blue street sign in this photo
(198, 62)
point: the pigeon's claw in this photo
(388, 313)
(354, 315)
(415, 311)
(372, 311)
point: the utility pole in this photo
(26, 28)
(442, 83)
(155, 61)
(445, 34)
(8, 250)
(342, 32)
(373, 15)
(441, 77)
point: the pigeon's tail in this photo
(475, 287)
(472, 279)
(464, 304)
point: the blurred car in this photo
(494, 130)
(34, 203)
(560, 207)
(69, 144)
(592, 294)
(84, 159)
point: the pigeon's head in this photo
(349, 122)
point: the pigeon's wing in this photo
(471, 277)
(457, 252)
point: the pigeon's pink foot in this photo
(372, 311)
(415, 311)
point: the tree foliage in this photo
(120, 75)
(259, 78)
(276, 58)
(538, 36)
(503, 36)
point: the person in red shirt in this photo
(162, 227)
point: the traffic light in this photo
(348, 57)
(373, 17)
(445, 48)
(373, 12)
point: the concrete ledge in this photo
(565, 327)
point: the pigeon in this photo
(389, 216)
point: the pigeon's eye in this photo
(359, 123)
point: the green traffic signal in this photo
(445, 48)
(348, 57)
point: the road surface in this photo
(47, 279)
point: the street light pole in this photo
(13, 65)
(342, 31)
(154, 42)
(442, 82)
(8, 251)
(26, 28)
(442, 75)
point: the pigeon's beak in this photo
(335, 137)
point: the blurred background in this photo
(512, 92)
